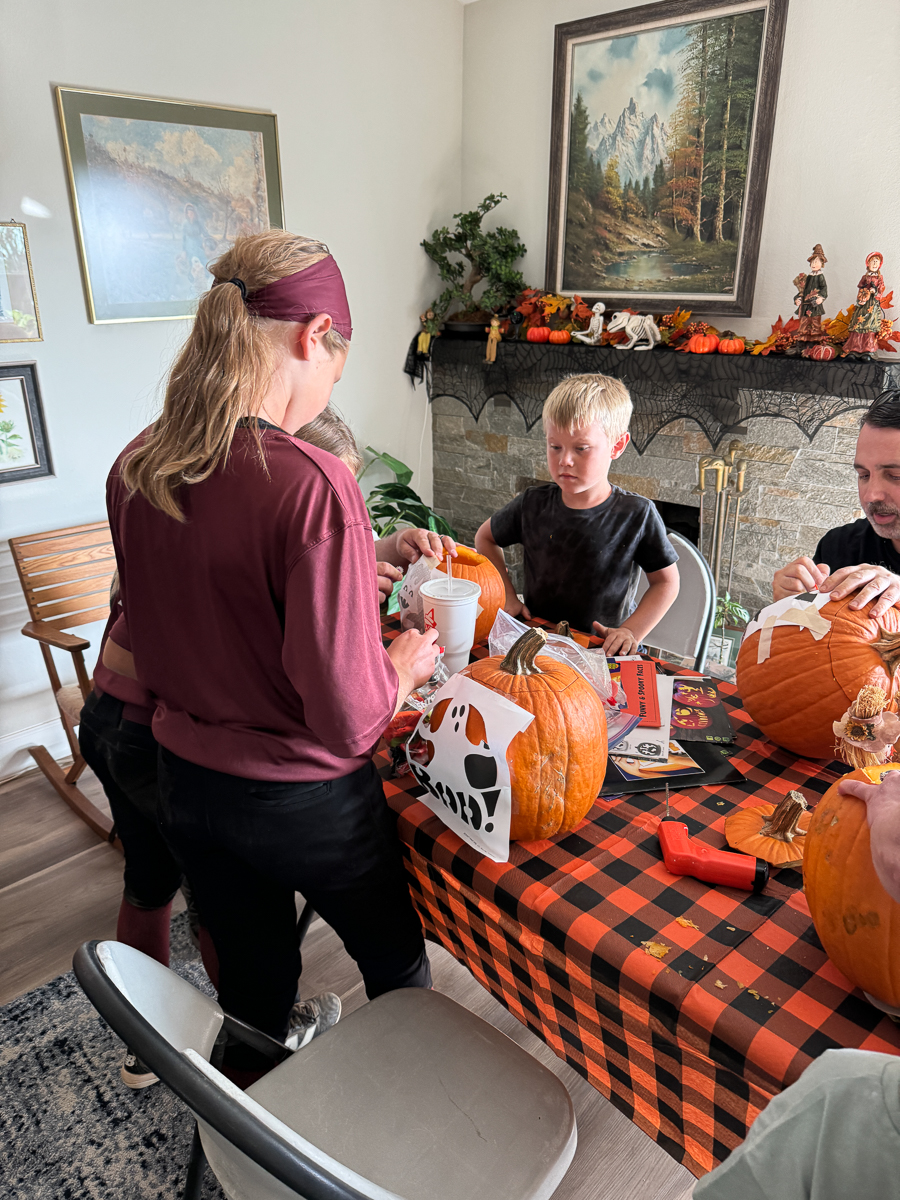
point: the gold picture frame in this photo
(159, 188)
(20, 317)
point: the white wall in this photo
(368, 98)
(834, 174)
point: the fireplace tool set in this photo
(730, 472)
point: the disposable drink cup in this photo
(451, 607)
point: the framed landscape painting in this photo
(24, 452)
(662, 129)
(159, 189)
(20, 320)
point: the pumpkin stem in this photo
(888, 646)
(782, 825)
(520, 658)
(564, 629)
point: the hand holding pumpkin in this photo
(801, 575)
(882, 802)
(874, 581)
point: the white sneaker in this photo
(311, 1017)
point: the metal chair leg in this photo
(193, 1185)
(306, 915)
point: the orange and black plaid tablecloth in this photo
(692, 1046)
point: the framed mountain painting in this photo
(662, 129)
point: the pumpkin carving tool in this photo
(684, 855)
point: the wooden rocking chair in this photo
(65, 576)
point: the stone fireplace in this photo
(795, 490)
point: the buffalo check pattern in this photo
(690, 1046)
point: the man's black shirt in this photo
(850, 545)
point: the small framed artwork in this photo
(661, 134)
(24, 450)
(159, 189)
(724, 646)
(20, 320)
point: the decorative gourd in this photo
(557, 764)
(730, 343)
(823, 352)
(469, 564)
(797, 694)
(559, 337)
(774, 834)
(538, 333)
(702, 343)
(857, 921)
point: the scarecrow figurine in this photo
(429, 330)
(865, 325)
(809, 332)
(493, 332)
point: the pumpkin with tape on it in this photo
(538, 333)
(469, 564)
(730, 343)
(557, 764)
(858, 923)
(559, 337)
(702, 343)
(805, 685)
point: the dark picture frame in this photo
(22, 425)
(20, 317)
(631, 237)
(159, 188)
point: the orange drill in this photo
(683, 856)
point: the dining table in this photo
(692, 1045)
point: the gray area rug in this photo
(69, 1128)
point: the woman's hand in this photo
(413, 543)
(616, 640)
(414, 656)
(882, 802)
(387, 577)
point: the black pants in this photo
(123, 756)
(248, 846)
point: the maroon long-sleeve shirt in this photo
(255, 623)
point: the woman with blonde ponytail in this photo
(250, 602)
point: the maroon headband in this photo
(317, 289)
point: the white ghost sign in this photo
(458, 753)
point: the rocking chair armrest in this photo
(55, 637)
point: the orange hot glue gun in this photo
(683, 856)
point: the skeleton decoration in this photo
(458, 754)
(802, 611)
(639, 329)
(594, 332)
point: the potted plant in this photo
(723, 647)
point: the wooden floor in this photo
(59, 886)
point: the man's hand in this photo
(413, 543)
(516, 607)
(882, 802)
(874, 581)
(414, 656)
(616, 640)
(797, 577)
(387, 577)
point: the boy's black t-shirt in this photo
(578, 561)
(850, 545)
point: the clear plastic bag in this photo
(411, 613)
(420, 699)
(591, 664)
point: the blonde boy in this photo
(582, 535)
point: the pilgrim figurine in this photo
(865, 324)
(493, 332)
(809, 332)
(594, 332)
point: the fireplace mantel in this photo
(718, 391)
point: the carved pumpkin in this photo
(469, 564)
(559, 337)
(823, 352)
(805, 686)
(557, 764)
(774, 834)
(730, 343)
(857, 921)
(538, 333)
(702, 343)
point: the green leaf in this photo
(403, 473)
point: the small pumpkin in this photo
(822, 353)
(857, 921)
(469, 564)
(538, 333)
(796, 695)
(774, 834)
(557, 764)
(559, 337)
(730, 343)
(702, 343)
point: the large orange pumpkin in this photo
(805, 685)
(857, 921)
(557, 764)
(469, 564)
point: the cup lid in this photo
(462, 589)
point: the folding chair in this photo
(65, 575)
(686, 627)
(411, 1096)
